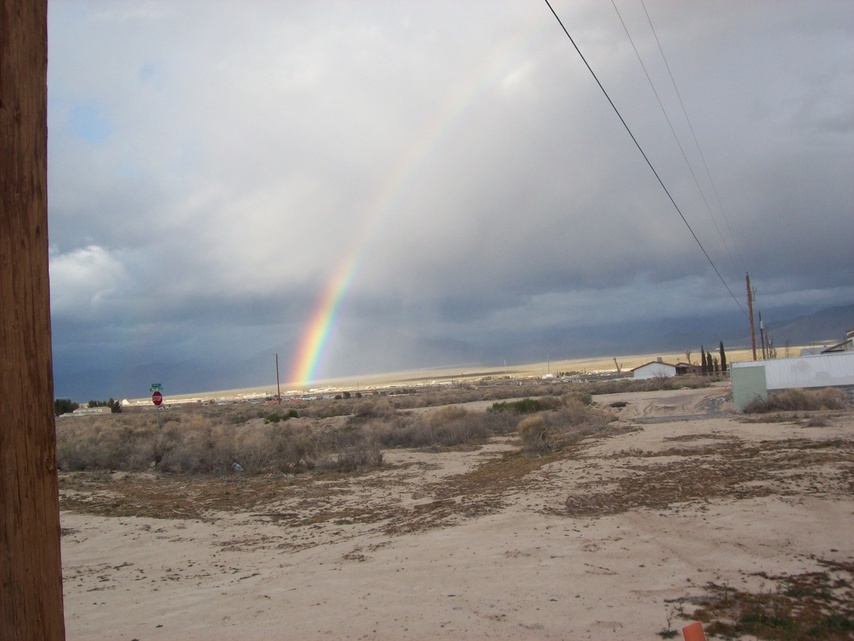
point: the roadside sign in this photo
(155, 387)
(157, 398)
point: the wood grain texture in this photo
(30, 567)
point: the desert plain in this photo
(680, 510)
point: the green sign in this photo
(156, 387)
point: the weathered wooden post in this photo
(30, 567)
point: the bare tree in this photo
(688, 353)
(619, 366)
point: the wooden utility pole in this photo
(750, 311)
(278, 386)
(30, 567)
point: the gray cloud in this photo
(212, 165)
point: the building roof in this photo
(653, 363)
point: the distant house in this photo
(683, 369)
(845, 346)
(654, 368)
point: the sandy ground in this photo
(615, 538)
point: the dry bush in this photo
(363, 456)
(575, 412)
(445, 428)
(444, 415)
(534, 432)
(104, 442)
(444, 395)
(526, 405)
(816, 421)
(623, 385)
(195, 443)
(554, 430)
(373, 408)
(581, 395)
(697, 381)
(792, 400)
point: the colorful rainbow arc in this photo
(315, 340)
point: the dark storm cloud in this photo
(212, 164)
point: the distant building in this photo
(683, 369)
(845, 346)
(82, 411)
(654, 369)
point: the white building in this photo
(654, 369)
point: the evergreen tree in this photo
(64, 406)
(704, 368)
(723, 358)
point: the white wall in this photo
(651, 370)
(826, 370)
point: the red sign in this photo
(157, 398)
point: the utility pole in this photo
(762, 335)
(278, 387)
(750, 311)
(30, 565)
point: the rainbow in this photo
(315, 339)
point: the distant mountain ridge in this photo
(371, 350)
(826, 326)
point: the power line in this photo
(643, 153)
(697, 143)
(672, 129)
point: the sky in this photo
(368, 186)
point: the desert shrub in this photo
(364, 456)
(792, 400)
(197, 444)
(575, 412)
(102, 443)
(534, 432)
(554, 430)
(444, 428)
(445, 415)
(275, 417)
(622, 385)
(816, 421)
(365, 409)
(692, 381)
(582, 396)
(525, 406)
(661, 382)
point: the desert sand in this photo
(618, 537)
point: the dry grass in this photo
(200, 443)
(795, 400)
(442, 428)
(731, 469)
(812, 605)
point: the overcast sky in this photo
(214, 165)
